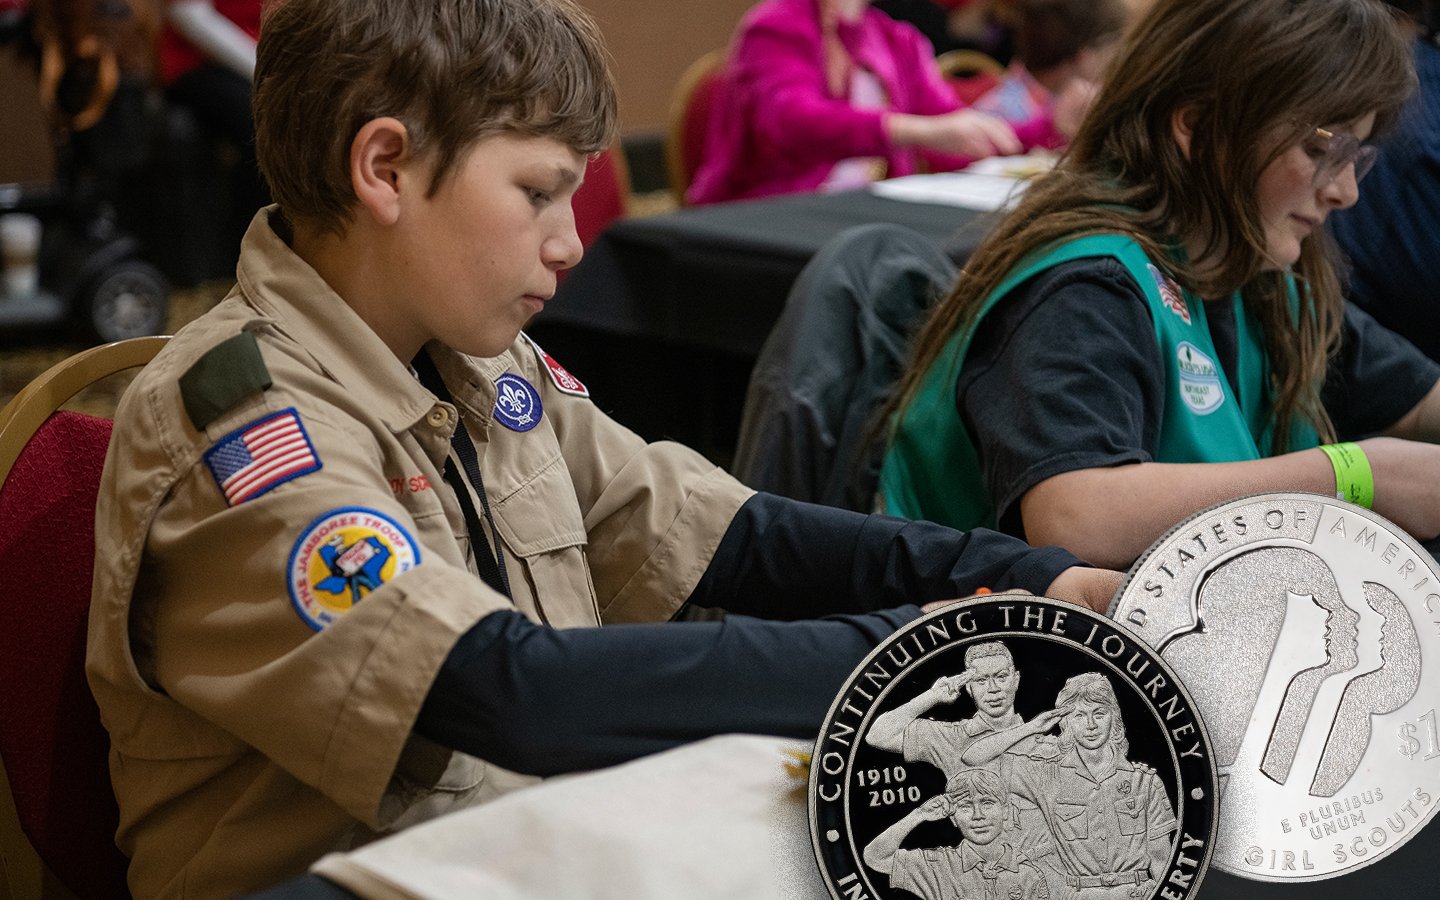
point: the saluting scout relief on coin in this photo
(1308, 631)
(1014, 748)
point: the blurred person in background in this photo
(832, 95)
(1061, 50)
(207, 62)
(1392, 235)
(957, 24)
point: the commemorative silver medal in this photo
(1013, 747)
(1308, 630)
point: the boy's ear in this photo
(1182, 126)
(379, 157)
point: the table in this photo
(665, 315)
(721, 818)
(717, 276)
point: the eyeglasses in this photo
(1332, 152)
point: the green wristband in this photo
(1353, 481)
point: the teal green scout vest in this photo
(931, 470)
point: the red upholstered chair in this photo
(603, 197)
(57, 810)
(970, 72)
(689, 119)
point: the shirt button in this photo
(438, 417)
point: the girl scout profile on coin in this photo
(1013, 747)
(1307, 630)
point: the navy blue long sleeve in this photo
(782, 559)
(543, 701)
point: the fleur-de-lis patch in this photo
(517, 403)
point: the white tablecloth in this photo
(721, 818)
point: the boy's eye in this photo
(537, 196)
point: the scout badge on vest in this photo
(517, 404)
(261, 456)
(1305, 626)
(1013, 745)
(343, 556)
(1199, 379)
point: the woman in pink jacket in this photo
(831, 94)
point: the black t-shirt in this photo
(1065, 374)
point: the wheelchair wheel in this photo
(128, 299)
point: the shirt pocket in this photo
(1070, 823)
(542, 530)
(1131, 814)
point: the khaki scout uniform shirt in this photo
(246, 744)
(961, 873)
(941, 744)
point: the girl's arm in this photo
(1109, 516)
(1116, 513)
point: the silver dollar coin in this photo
(1013, 747)
(1306, 629)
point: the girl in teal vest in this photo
(1158, 325)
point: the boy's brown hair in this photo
(453, 71)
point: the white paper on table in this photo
(1027, 165)
(965, 189)
(721, 818)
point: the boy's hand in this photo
(1088, 587)
(947, 687)
(936, 808)
(941, 604)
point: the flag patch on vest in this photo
(343, 556)
(564, 381)
(1199, 379)
(1170, 293)
(261, 456)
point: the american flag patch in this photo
(264, 454)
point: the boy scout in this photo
(355, 530)
(983, 865)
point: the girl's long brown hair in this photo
(1243, 72)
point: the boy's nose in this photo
(564, 249)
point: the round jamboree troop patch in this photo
(343, 556)
(1013, 747)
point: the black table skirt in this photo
(717, 276)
